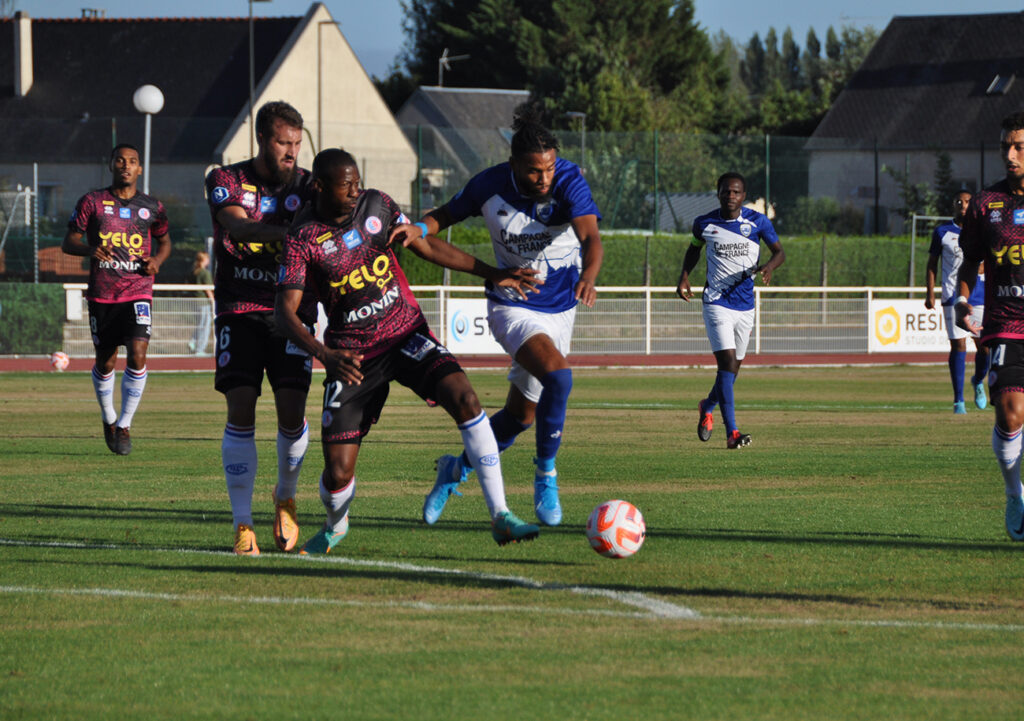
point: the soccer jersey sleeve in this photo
(467, 202)
(767, 230)
(79, 221)
(292, 273)
(971, 233)
(936, 247)
(159, 226)
(698, 232)
(577, 194)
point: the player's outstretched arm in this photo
(430, 224)
(929, 281)
(593, 254)
(247, 237)
(341, 364)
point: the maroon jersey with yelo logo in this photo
(126, 228)
(355, 274)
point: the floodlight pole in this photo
(147, 100)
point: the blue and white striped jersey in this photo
(530, 234)
(733, 249)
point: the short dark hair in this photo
(530, 134)
(276, 110)
(1013, 121)
(121, 146)
(726, 177)
(328, 159)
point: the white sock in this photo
(104, 387)
(238, 453)
(133, 382)
(482, 451)
(337, 503)
(291, 449)
(1007, 449)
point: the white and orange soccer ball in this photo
(616, 529)
(60, 361)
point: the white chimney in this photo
(22, 54)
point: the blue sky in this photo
(374, 27)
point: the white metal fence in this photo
(625, 320)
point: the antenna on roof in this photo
(94, 13)
(444, 63)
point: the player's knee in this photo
(337, 477)
(558, 383)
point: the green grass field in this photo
(850, 564)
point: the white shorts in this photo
(955, 332)
(512, 326)
(728, 329)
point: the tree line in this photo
(630, 65)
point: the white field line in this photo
(649, 608)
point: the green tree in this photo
(945, 188)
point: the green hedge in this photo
(881, 261)
(31, 318)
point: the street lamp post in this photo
(319, 92)
(582, 117)
(148, 100)
(252, 74)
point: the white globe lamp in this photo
(147, 100)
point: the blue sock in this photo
(981, 365)
(957, 360)
(505, 428)
(724, 382)
(554, 400)
(711, 402)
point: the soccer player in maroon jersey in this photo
(117, 228)
(376, 333)
(253, 203)
(993, 232)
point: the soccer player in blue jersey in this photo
(732, 235)
(946, 247)
(541, 215)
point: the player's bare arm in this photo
(341, 364)
(151, 265)
(777, 259)
(435, 221)
(248, 236)
(931, 271)
(432, 248)
(593, 254)
(683, 289)
(74, 245)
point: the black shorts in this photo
(419, 363)
(1007, 370)
(247, 344)
(114, 324)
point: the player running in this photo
(376, 333)
(732, 235)
(252, 204)
(993, 232)
(541, 215)
(120, 226)
(946, 247)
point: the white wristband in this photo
(960, 299)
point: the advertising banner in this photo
(906, 326)
(466, 329)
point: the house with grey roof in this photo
(458, 132)
(66, 88)
(931, 83)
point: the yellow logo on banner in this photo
(887, 326)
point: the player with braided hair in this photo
(541, 215)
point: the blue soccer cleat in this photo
(959, 409)
(324, 540)
(1015, 517)
(450, 474)
(980, 399)
(508, 528)
(545, 498)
